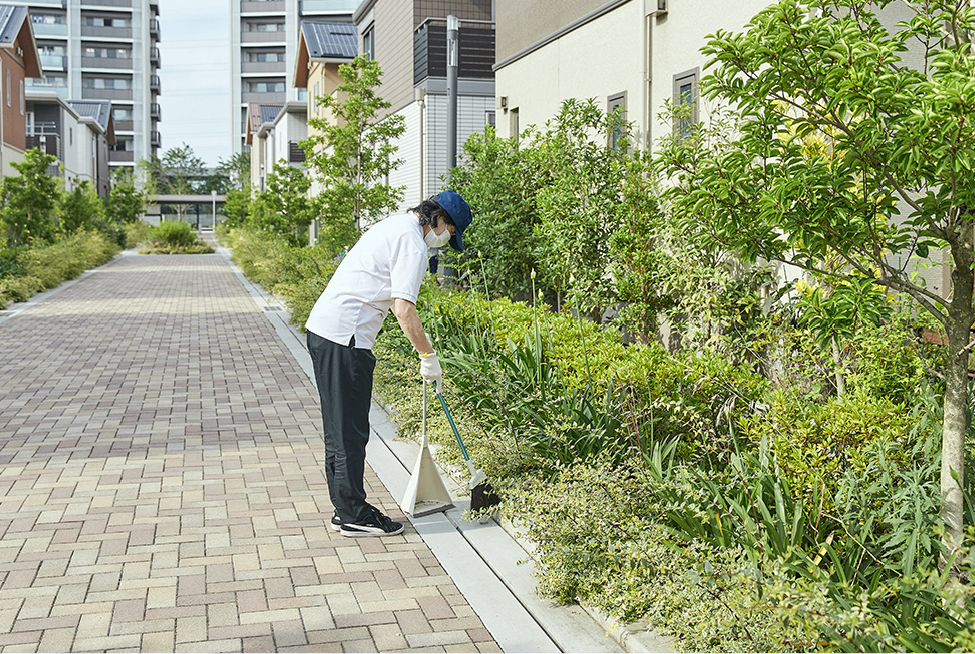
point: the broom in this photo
(482, 495)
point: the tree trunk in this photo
(961, 315)
(838, 368)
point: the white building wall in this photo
(471, 118)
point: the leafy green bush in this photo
(174, 237)
(36, 268)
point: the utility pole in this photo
(453, 26)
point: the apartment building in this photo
(19, 62)
(409, 40)
(263, 51)
(105, 50)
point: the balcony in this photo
(120, 156)
(46, 143)
(156, 139)
(123, 125)
(54, 62)
(263, 67)
(154, 84)
(155, 111)
(257, 7)
(154, 57)
(107, 94)
(263, 37)
(52, 4)
(95, 32)
(328, 6)
(106, 3)
(50, 29)
(106, 62)
(154, 28)
(266, 98)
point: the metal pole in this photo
(213, 198)
(453, 26)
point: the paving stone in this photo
(167, 494)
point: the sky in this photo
(195, 76)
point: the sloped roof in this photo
(257, 115)
(330, 40)
(100, 111)
(11, 18)
(14, 25)
(325, 42)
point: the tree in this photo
(894, 187)
(30, 199)
(81, 208)
(351, 150)
(236, 170)
(125, 202)
(284, 207)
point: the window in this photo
(108, 53)
(369, 42)
(52, 50)
(121, 114)
(122, 145)
(263, 57)
(265, 27)
(107, 83)
(106, 21)
(8, 87)
(515, 127)
(315, 98)
(266, 87)
(23, 100)
(686, 101)
(489, 118)
(47, 19)
(616, 108)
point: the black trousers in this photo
(344, 378)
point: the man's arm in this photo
(409, 322)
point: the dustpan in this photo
(426, 493)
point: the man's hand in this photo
(430, 369)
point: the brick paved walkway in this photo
(161, 485)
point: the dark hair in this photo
(429, 211)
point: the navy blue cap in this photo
(459, 212)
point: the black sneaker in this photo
(376, 525)
(336, 522)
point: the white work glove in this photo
(430, 369)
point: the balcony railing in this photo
(154, 84)
(154, 57)
(106, 62)
(46, 143)
(106, 3)
(156, 139)
(256, 7)
(155, 111)
(264, 67)
(94, 31)
(54, 62)
(106, 94)
(263, 37)
(50, 29)
(154, 28)
(328, 6)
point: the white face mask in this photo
(434, 240)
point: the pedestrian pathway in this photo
(161, 484)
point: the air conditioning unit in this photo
(503, 102)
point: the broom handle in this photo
(423, 422)
(446, 411)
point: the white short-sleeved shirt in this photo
(387, 262)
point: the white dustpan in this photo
(426, 493)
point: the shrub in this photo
(136, 233)
(174, 237)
